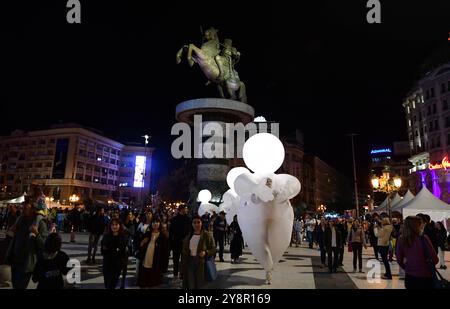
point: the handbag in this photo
(210, 269)
(439, 282)
(350, 248)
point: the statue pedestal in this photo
(211, 173)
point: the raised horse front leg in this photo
(180, 53)
(199, 56)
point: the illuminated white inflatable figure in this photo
(230, 198)
(204, 196)
(265, 214)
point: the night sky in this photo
(319, 67)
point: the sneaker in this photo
(361, 271)
(354, 270)
(386, 277)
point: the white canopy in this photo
(425, 202)
(406, 198)
(382, 206)
(17, 200)
(393, 202)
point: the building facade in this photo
(324, 185)
(428, 126)
(72, 160)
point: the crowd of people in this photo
(147, 237)
(414, 243)
(151, 236)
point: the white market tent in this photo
(406, 198)
(17, 200)
(425, 202)
(383, 206)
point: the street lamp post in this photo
(146, 137)
(386, 184)
(354, 176)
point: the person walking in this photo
(153, 248)
(178, 230)
(321, 241)
(114, 246)
(237, 241)
(96, 228)
(333, 241)
(441, 240)
(383, 233)
(412, 249)
(357, 240)
(26, 245)
(197, 247)
(220, 226)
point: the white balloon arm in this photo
(287, 187)
(245, 184)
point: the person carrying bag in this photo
(439, 282)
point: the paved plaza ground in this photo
(298, 269)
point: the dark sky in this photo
(316, 66)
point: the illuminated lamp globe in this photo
(263, 153)
(397, 182)
(233, 174)
(204, 196)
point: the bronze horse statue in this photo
(217, 64)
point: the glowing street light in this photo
(386, 184)
(322, 208)
(74, 198)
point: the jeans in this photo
(218, 237)
(341, 255)
(384, 256)
(193, 281)
(176, 252)
(309, 237)
(19, 277)
(323, 254)
(441, 257)
(333, 258)
(357, 254)
(93, 243)
(111, 276)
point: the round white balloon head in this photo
(233, 174)
(263, 153)
(204, 196)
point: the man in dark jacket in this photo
(333, 241)
(342, 227)
(26, 245)
(96, 227)
(179, 228)
(220, 226)
(430, 231)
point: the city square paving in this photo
(300, 268)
